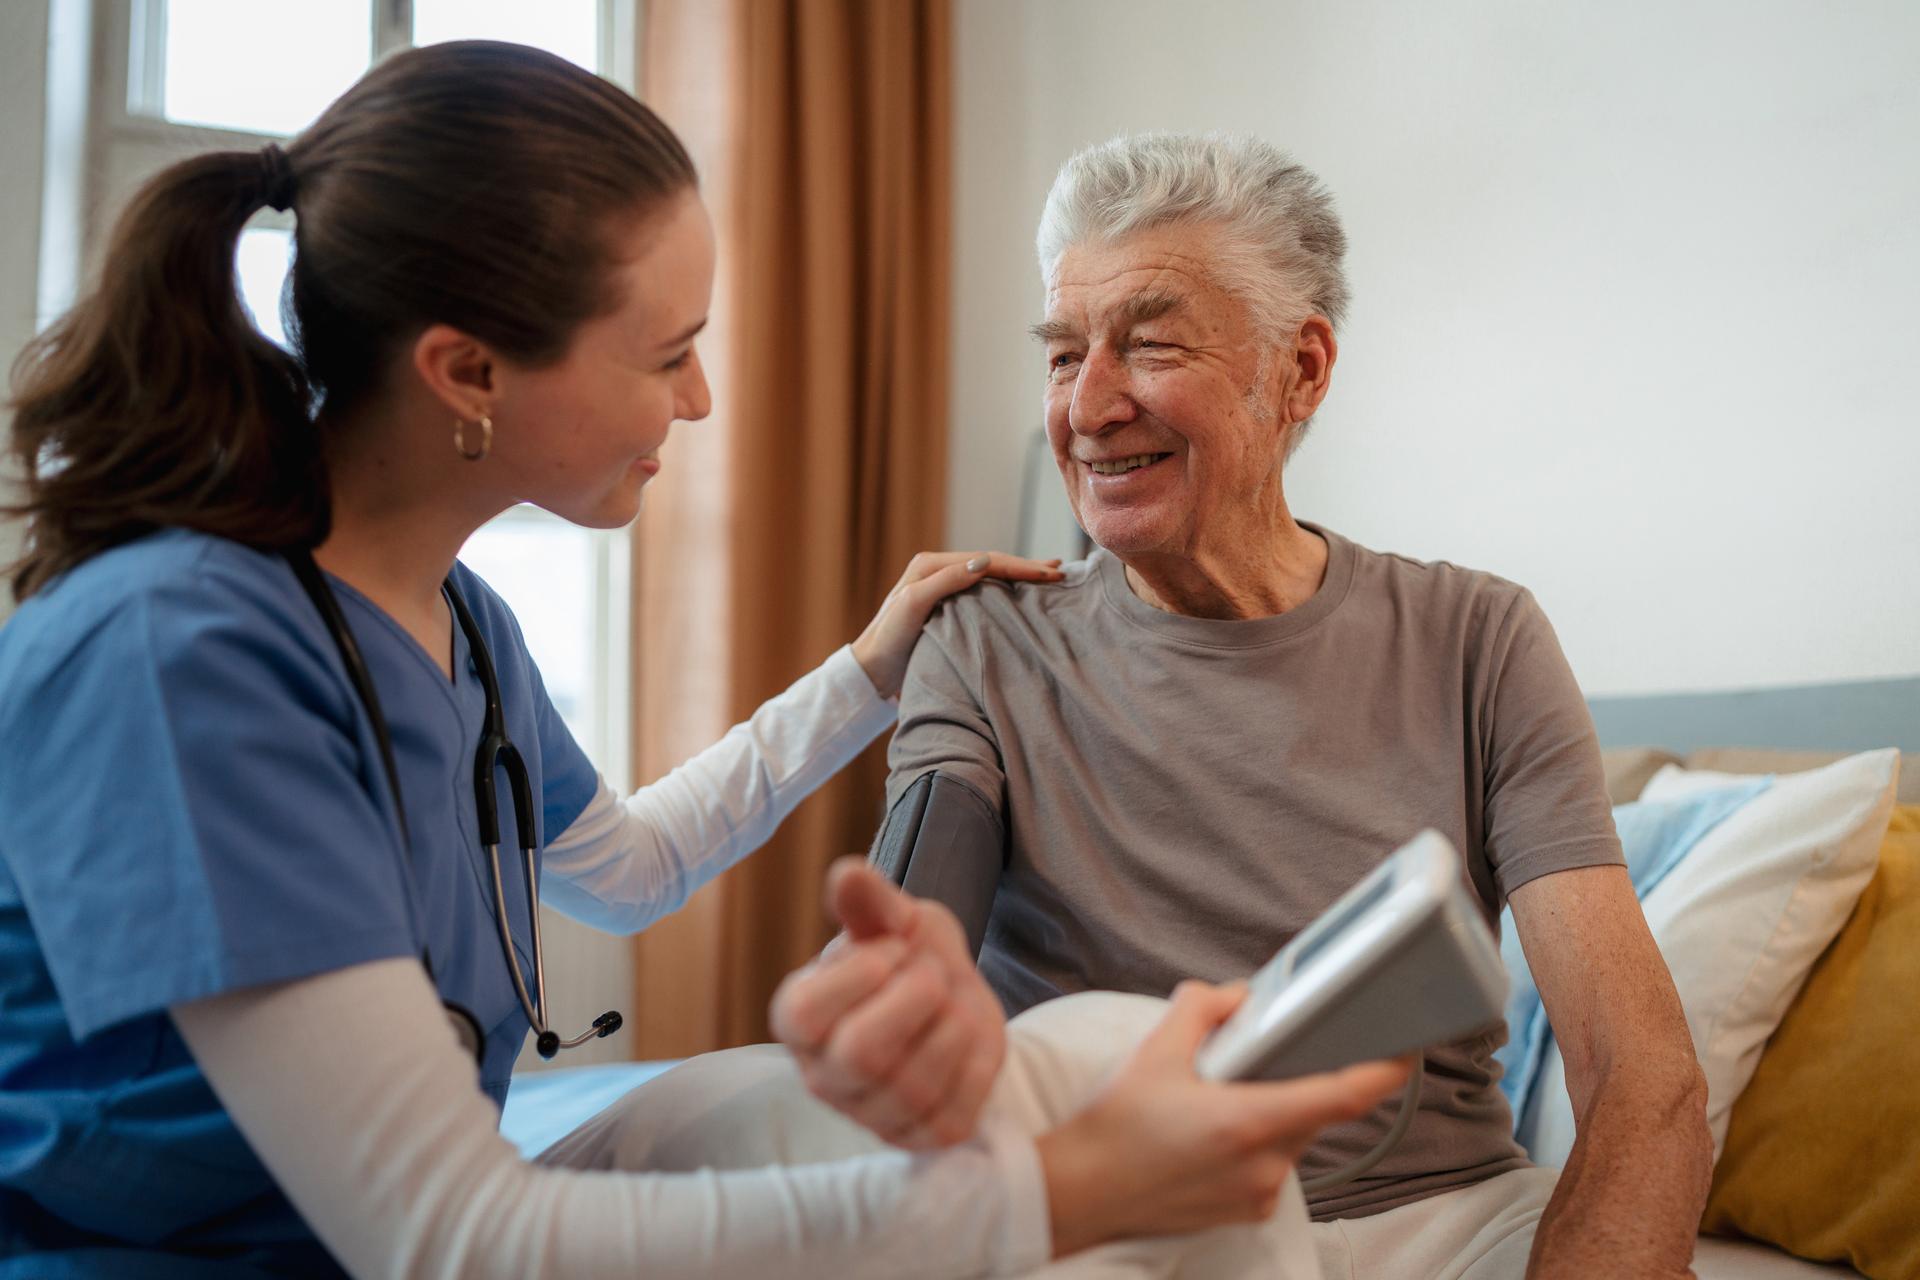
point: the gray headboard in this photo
(1854, 716)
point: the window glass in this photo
(264, 66)
(543, 568)
(261, 266)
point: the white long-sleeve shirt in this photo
(622, 865)
(354, 1092)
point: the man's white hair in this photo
(1281, 246)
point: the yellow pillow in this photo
(1823, 1150)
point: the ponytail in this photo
(155, 402)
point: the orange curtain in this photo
(821, 131)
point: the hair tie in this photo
(276, 178)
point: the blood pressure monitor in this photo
(1403, 961)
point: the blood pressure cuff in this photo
(943, 841)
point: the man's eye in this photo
(1062, 360)
(680, 361)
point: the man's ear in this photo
(1314, 351)
(457, 368)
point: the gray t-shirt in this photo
(1180, 796)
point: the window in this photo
(208, 62)
(184, 76)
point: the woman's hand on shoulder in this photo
(884, 647)
(893, 1025)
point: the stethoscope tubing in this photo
(496, 750)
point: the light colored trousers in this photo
(747, 1108)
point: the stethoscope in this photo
(496, 751)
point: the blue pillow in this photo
(1655, 835)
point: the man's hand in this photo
(893, 1025)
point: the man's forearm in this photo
(1630, 1198)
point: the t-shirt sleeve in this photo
(1546, 793)
(943, 727)
(199, 812)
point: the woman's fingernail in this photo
(977, 564)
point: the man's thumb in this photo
(864, 901)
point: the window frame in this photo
(129, 137)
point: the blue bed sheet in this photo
(544, 1106)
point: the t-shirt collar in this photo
(1232, 633)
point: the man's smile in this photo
(1120, 466)
(1119, 476)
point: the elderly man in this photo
(1226, 716)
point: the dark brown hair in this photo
(475, 183)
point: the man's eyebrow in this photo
(1138, 309)
(1142, 307)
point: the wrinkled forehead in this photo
(1162, 273)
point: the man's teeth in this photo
(1123, 464)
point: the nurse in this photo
(249, 961)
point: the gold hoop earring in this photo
(460, 438)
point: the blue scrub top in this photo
(192, 802)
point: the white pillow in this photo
(1742, 918)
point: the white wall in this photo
(1637, 316)
(23, 105)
